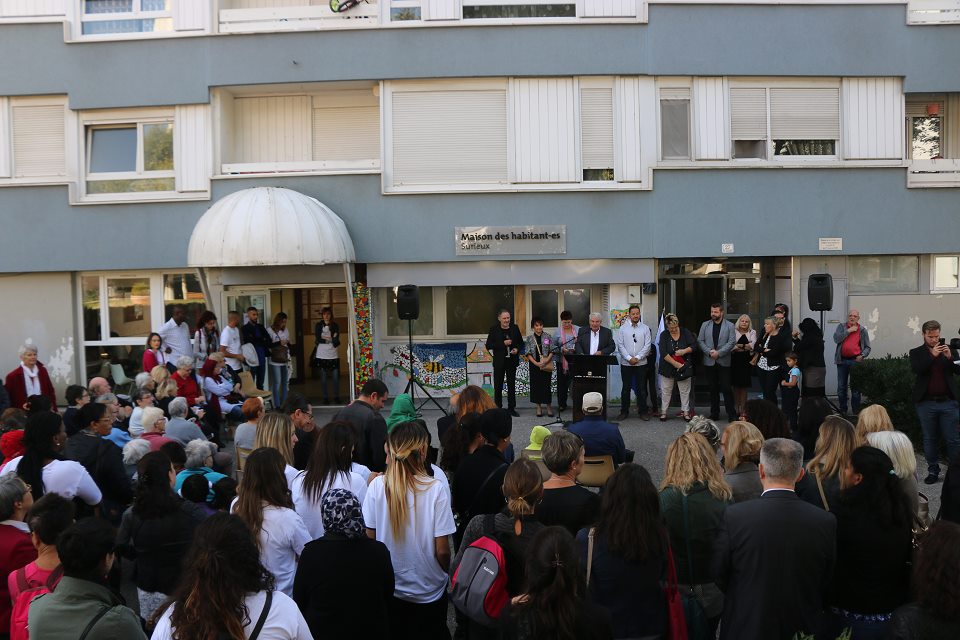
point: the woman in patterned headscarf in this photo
(345, 579)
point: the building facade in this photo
(671, 153)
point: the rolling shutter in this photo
(449, 137)
(748, 114)
(596, 128)
(805, 114)
(38, 141)
(346, 133)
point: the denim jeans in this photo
(936, 419)
(843, 379)
(635, 378)
(279, 383)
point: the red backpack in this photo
(479, 585)
(29, 589)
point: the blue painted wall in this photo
(681, 39)
(688, 214)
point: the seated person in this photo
(600, 438)
(537, 435)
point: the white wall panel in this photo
(4, 138)
(32, 8)
(629, 159)
(545, 114)
(608, 8)
(710, 139)
(272, 129)
(448, 137)
(442, 9)
(872, 118)
(193, 147)
(192, 15)
(952, 126)
(39, 141)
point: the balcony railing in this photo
(933, 11)
(942, 172)
(296, 18)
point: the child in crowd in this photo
(790, 390)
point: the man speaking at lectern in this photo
(595, 340)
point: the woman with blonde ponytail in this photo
(513, 528)
(410, 513)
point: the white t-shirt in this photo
(309, 509)
(290, 473)
(361, 471)
(65, 477)
(282, 538)
(442, 477)
(284, 620)
(245, 435)
(230, 338)
(326, 350)
(419, 578)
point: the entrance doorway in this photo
(303, 306)
(688, 290)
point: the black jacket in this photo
(476, 487)
(318, 331)
(759, 543)
(256, 334)
(332, 574)
(495, 339)
(921, 362)
(687, 339)
(103, 460)
(371, 432)
(159, 545)
(809, 350)
(779, 345)
(605, 345)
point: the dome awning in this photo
(269, 226)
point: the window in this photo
(519, 11)
(404, 11)
(883, 274)
(784, 121)
(925, 128)
(184, 289)
(473, 310)
(596, 132)
(675, 124)
(422, 326)
(545, 305)
(945, 273)
(126, 16)
(548, 303)
(130, 157)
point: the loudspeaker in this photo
(408, 302)
(820, 292)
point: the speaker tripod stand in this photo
(412, 382)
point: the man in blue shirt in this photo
(600, 438)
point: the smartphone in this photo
(943, 341)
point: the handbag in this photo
(676, 617)
(823, 496)
(549, 366)
(591, 535)
(279, 353)
(923, 508)
(685, 371)
(698, 628)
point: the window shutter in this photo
(710, 119)
(441, 10)
(748, 114)
(630, 158)
(4, 138)
(873, 118)
(449, 137)
(191, 15)
(346, 133)
(272, 129)
(544, 126)
(596, 128)
(192, 147)
(39, 141)
(919, 109)
(805, 114)
(672, 93)
(608, 9)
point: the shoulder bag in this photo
(823, 496)
(591, 535)
(279, 353)
(676, 618)
(548, 366)
(263, 617)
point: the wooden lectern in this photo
(589, 374)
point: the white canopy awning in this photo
(269, 226)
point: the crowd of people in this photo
(790, 519)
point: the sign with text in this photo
(510, 241)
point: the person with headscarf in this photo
(402, 411)
(345, 580)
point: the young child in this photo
(790, 390)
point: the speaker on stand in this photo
(408, 308)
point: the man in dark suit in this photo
(595, 340)
(505, 342)
(774, 556)
(935, 394)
